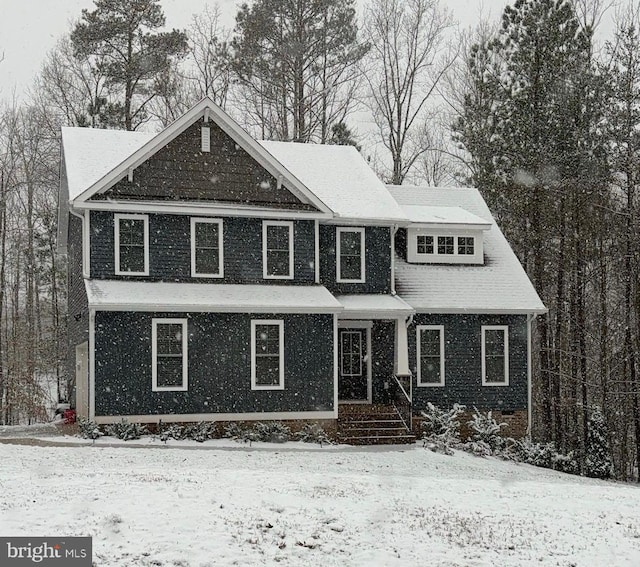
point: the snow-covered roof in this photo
(112, 295)
(341, 178)
(373, 305)
(91, 153)
(433, 215)
(499, 286)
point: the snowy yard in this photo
(222, 504)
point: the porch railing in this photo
(400, 394)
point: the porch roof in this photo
(112, 295)
(373, 306)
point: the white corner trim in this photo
(155, 323)
(440, 329)
(505, 330)
(86, 244)
(204, 220)
(276, 323)
(116, 226)
(265, 252)
(361, 231)
(335, 365)
(316, 251)
(92, 363)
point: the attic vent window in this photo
(205, 139)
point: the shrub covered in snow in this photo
(543, 455)
(272, 431)
(598, 461)
(237, 432)
(89, 429)
(200, 431)
(441, 428)
(125, 430)
(486, 430)
(171, 431)
(313, 433)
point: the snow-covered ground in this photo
(222, 503)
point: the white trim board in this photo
(188, 417)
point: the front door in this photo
(353, 365)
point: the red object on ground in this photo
(69, 416)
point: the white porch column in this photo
(402, 346)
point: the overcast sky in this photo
(30, 28)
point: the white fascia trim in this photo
(339, 231)
(116, 227)
(347, 324)
(275, 323)
(346, 221)
(188, 417)
(204, 220)
(505, 330)
(451, 226)
(419, 329)
(198, 208)
(155, 323)
(230, 127)
(265, 226)
(379, 315)
(212, 308)
(473, 311)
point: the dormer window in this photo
(466, 245)
(445, 245)
(424, 244)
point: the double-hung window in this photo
(132, 244)
(495, 355)
(350, 252)
(277, 250)
(430, 355)
(267, 354)
(169, 355)
(207, 259)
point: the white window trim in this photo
(273, 322)
(265, 225)
(505, 330)
(419, 330)
(194, 273)
(123, 216)
(154, 356)
(339, 278)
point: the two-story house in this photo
(215, 277)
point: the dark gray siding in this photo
(77, 310)
(181, 171)
(377, 261)
(219, 365)
(170, 249)
(463, 364)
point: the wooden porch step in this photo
(379, 440)
(372, 425)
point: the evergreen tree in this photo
(120, 37)
(598, 457)
(341, 135)
(296, 60)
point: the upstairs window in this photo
(267, 355)
(425, 244)
(466, 245)
(169, 356)
(430, 355)
(132, 245)
(350, 249)
(277, 249)
(445, 245)
(206, 248)
(495, 355)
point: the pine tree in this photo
(120, 37)
(598, 457)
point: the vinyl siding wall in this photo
(219, 376)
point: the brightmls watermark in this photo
(45, 551)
